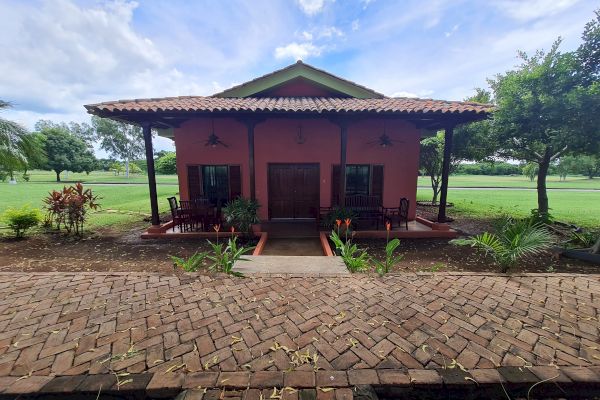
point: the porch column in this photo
(343, 144)
(147, 131)
(448, 133)
(250, 126)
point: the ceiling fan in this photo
(213, 140)
(384, 140)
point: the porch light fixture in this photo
(213, 140)
(299, 138)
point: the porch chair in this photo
(189, 215)
(175, 213)
(400, 213)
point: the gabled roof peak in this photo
(297, 70)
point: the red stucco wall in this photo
(276, 142)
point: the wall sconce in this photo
(299, 138)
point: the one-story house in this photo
(295, 139)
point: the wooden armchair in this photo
(400, 213)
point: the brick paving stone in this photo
(266, 379)
(424, 377)
(30, 384)
(200, 380)
(234, 379)
(66, 324)
(331, 379)
(299, 379)
(393, 377)
(165, 385)
(363, 377)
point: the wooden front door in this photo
(293, 190)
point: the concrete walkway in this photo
(293, 247)
(91, 332)
(294, 265)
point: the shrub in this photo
(68, 208)
(338, 214)
(22, 219)
(355, 259)
(242, 213)
(383, 267)
(512, 242)
(167, 164)
(191, 264)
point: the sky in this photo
(61, 54)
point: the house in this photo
(296, 139)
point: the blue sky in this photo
(61, 54)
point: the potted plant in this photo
(243, 214)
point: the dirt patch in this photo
(115, 251)
(106, 251)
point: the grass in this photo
(37, 176)
(553, 181)
(580, 208)
(121, 204)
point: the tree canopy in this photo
(66, 152)
(120, 140)
(549, 106)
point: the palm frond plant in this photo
(223, 257)
(16, 145)
(191, 264)
(355, 259)
(514, 241)
(242, 213)
(391, 259)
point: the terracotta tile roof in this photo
(388, 105)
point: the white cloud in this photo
(307, 35)
(311, 7)
(355, 25)
(532, 9)
(452, 31)
(298, 51)
(366, 3)
(329, 32)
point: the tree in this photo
(82, 130)
(431, 158)
(473, 141)
(546, 108)
(122, 141)
(167, 164)
(565, 165)
(588, 166)
(17, 146)
(530, 170)
(67, 152)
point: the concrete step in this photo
(297, 265)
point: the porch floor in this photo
(418, 229)
(293, 247)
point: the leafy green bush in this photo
(22, 219)
(167, 164)
(242, 213)
(191, 264)
(383, 267)
(513, 241)
(338, 213)
(584, 239)
(355, 259)
(223, 258)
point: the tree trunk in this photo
(57, 176)
(127, 168)
(543, 166)
(435, 186)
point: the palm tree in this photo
(512, 242)
(16, 144)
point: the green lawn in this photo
(116, 201)
(581, 208)
(572, 182)
(94, 177)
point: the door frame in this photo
(269, 164)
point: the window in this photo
(215, 182)
(360, 179)
(357, 179)
(218, 183)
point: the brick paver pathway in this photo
(90, 323)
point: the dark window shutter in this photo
(194, 181)
(377, 181)
(335, 185)
(235, 182)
